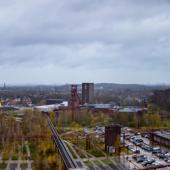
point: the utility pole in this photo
(88, 143)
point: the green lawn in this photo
(97, 163)
(96, 153)
(107, 161)
(88, 163)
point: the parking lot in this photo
(143, 154)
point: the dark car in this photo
(156, 151)
(139, 140)
(141, 159)
(147, 148)
(162, 155)
(167, 159)
(143, 146)
(146, 135)
(148, 162)
(137, 151)
(135, 157)
(137, 143)
(127, 137)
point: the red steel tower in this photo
(74, 101)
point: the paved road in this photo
(19, 160)
(8, 163)
(28, 156)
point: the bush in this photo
(3, 165)
(15, 157)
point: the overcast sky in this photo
(69, 41)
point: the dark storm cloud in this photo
(86, 34)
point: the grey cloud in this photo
(76, 34)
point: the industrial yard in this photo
(80, 133)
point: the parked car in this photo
(137, 133)
(167, 160)
(162, 155)
(146, 135)
(148, 162)
(137, 151)
(156, 163)
(142, 158)
(139, 140)
(127, 137)
(131, 148)
(132, 139)
(156, 150)
(147, 148)
(167, 154)
(135, 157)
(137, 143)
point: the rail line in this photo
(64, 151)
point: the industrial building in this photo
(87, 93)
(51, 107)
(112, 137)
(54, 101)
(161, 137)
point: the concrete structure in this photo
(161, 137)
(112, 137)
(87, 93)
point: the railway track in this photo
(63, 150)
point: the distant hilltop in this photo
(130, 86)
(98, 86)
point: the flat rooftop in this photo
(130, 109)
(164, 134)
